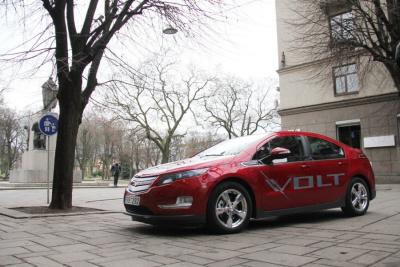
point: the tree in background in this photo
(199, 141)
(242, 107)
(341, 32)
(86, 144)
(108, 132)
(12, 140)
(158, 99)
(118, 139)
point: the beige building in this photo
(336, 101)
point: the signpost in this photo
(48, 125)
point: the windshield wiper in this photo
(214, 155)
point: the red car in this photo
(254, 176)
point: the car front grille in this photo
(140, 184)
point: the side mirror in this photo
(276, 153)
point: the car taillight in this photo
(362, 156)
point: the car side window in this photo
(293, 143)
(322, 149)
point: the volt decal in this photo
(304, 182)
(275, 186)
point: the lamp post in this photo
(170, 30)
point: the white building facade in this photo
(339, 101)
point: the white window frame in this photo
(345, 79)
(342, 26)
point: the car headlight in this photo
(172, 177)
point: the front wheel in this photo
(229, 208)
(357, 198)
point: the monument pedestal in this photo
(34, 161)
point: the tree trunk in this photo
(83, 169)
(69, 120)
(165, 151)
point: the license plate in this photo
(132, 200)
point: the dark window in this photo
(322, 149)
(398, 127)
(350, 135)
(342, 26)
(346, 79)
(293, 143)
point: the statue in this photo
(39, 139)
(49, 93)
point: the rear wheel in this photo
(229, 208)
(357, 198)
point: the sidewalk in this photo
(98, 182)
(110, 238)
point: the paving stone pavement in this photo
(325, 238)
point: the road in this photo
(110, 238)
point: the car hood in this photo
(185, 165)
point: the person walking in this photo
(115, 171)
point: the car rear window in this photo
(322, 149)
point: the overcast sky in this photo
(248, 48)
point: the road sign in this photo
(48, 125)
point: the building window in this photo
(342, 26)
(398, 126)
(346, 79)
(350, 135)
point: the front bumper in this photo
(184, 221)
(159, 205)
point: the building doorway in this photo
(350, 135)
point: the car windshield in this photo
(231, 146)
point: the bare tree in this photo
(108, 130)
(152, 154)
(137, 141)
(242, 107)
(86, 144)
(130, 150)
(12, 138)
(197, 142)
(157, 102)
(340, 32)
(89, 141)
(77, 47)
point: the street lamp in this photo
(170, 30)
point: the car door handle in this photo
(342, 163)
(305, 167)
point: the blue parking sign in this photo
(48, 125)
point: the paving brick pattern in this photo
(325, 238)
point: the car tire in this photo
(357, 198)
(229, 208)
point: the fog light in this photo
(181, 203)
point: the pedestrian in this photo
(115, 171)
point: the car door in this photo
(329, 166)
(285, 183)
